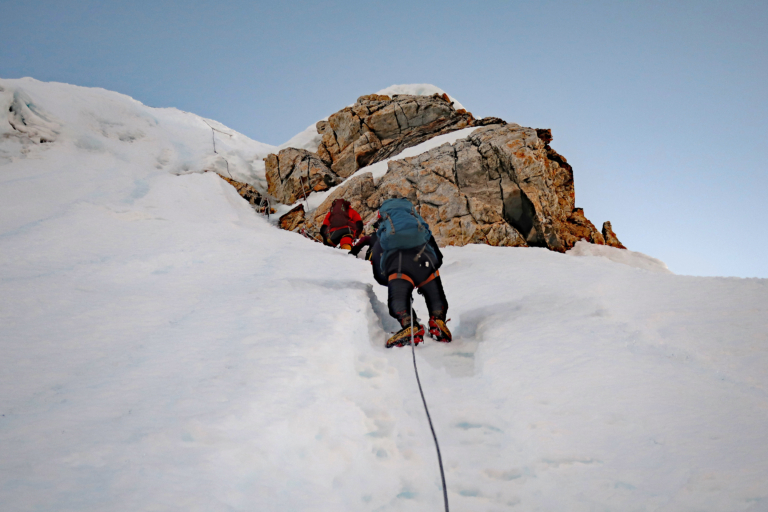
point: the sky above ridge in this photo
(661, 108)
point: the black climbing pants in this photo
(413, 270)
(337, 236)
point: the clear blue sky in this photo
(661, 107)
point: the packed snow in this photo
(626, 257)
(164, 347)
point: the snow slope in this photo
(162, 347)
(105, 126)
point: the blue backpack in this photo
(401, 228)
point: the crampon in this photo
(403, 337)
(439, 331)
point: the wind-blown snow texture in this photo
(165, 348)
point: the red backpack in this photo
(339, 215)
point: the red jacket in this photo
(355, 223)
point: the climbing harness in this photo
(429, 418)
(400, 275)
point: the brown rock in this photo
(503, 185)
(488, 120)
(293, 220)
(456, 216)
(250, 194)
(610, 237)
(545, 134)
(377, 127)
(293, 174)
(580, 228)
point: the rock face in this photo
(503, 185)
(610, 237)
(293, 174)
(373, 129)
(250, 194)
(378, 127)
(293, 220)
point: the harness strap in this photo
(392, 277)
(403, 276)
(432, 276)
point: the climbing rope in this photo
(213, 136)
(265, 209)
(429, 418)
(306, 204)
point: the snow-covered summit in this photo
(163, 347)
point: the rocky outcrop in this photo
(580, 228)
(375, 128)
(503, 185)
(610, 237)
(293, 220)
(250, 194)
(293, 174)
(378, 127)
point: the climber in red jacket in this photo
(342, 225)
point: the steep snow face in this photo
(100, 124)
(163, 347)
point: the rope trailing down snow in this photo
(429, 418)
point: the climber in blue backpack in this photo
(408, 257)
